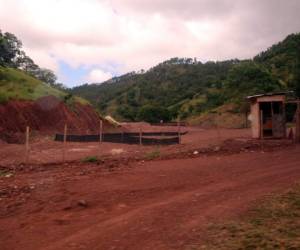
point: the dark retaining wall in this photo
(182, 124)
(129, 138)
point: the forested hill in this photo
(185, 87)
(283, 60)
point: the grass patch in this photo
(153, 154)
(275, 224)
(90, 159)
(5, 173)
(3, 98)
(81, 100)
(15, 84)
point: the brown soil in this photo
(47, 115)
(225, 116)
(123, 204)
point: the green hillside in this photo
(282, 59)
(179, 87)
(15, 84)
(186, 88)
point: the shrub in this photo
(90, 159)
(3, 98)
(154, 114)
(153, 154)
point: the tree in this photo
(25, 63)
(46, 75)
(10, 47)
(127, 112)
(249, 78)
(296, 80)
(11, 55)
(154, 114)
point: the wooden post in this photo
(100, 136)
(179, 131)
(140, 136)
(261, 125)
(298, 122)
(65, 141)
(284, 119)
(272, 110)
(101, 132)
(27, 146)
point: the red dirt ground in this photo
(161, 204)
(126, 202)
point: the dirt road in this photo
(165, 204)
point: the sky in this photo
(88, 41)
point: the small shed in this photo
(267, 115)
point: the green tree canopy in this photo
(154, 114)
(12, 56)
(10, 47)
(249, 78)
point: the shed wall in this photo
(255, 120)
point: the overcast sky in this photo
(93, 40)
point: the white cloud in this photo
(136, 34)
(42, 57)
(98, 76)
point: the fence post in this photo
(298, 122)
(101, 132)
(100, 136)
(179, 131)
(65, 140)
(27, 146)
(140, 136)
(261, 123)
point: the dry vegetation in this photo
(274, 224)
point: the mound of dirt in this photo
(47, 115)
(225, 116)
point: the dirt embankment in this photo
(46, 115)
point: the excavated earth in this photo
(47, 115)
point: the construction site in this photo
(88, 192)
(149, 125)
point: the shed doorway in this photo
(272, 119)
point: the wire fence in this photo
(145, 138)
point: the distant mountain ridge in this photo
(183, 87)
